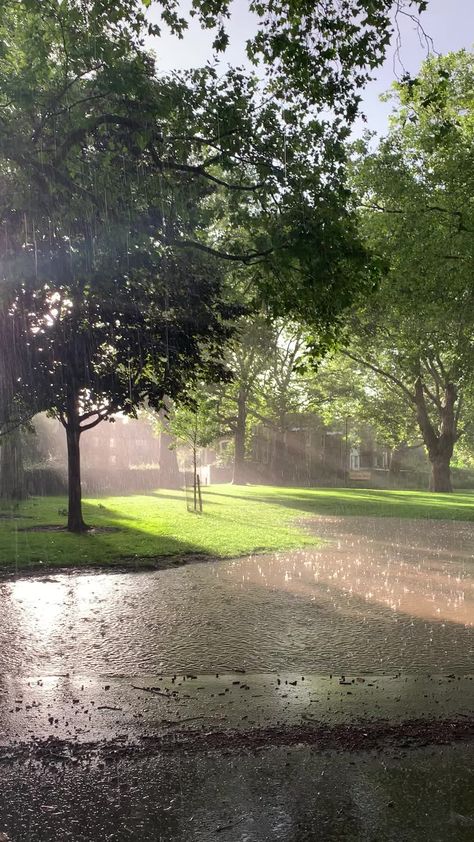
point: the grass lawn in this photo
(237, 520)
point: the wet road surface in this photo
(100, 661)
(384, 595)
(86, 709)
(279, 795)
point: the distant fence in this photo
(51, 481)
(45, 481)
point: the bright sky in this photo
(450, 23)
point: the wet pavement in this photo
(278, 795)
(384, 595)
(234, 699)
(87, 709)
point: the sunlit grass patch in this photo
(364, 502)
(237, 520)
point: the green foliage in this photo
(114, 180)
(341, 388)
(315, 53)
(193, 423)
(95, 300)
(262, 360)
(415, 195)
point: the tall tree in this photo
(111, 174)
(416, 210)
(235, 402)
(264, 387)
(104, 343)
(349, 394)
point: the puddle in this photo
(384, 595)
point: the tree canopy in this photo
(75, 74)
(124, 194)
(416, 210)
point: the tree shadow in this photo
(362, 502)
(115, 539)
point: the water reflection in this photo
(374, 599)
(423, 590)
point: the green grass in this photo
(236, 521)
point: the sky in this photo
(449, 23)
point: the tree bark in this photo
(75, 521)
(440, 480)
(12, 477)
(396, 461)
(239, 477)
(440, 445)
(170, 476)
(280, 460)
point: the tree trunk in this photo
(279, 463)
(170, 476)
(440, 445)
(396, 462)
(12, 477)
(440, 480)
(75, 522)
(239, 477)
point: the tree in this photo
(263, 388)
(234, 402)
(96, 308)
(345, 392)
(76, 72)
(108, 343)
(112, 175)
(194, 425)
(416, 211)
(282, 392)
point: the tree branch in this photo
(198, 169)
(247, 258)
(431, 396)
(91, 424)
(382, 373)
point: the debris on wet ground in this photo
(345, 737)
(269, 795)
(88, 709)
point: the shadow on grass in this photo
(116, 539)
(179, 495)
(364, 502)
(99, 551)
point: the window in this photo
(355, 459)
